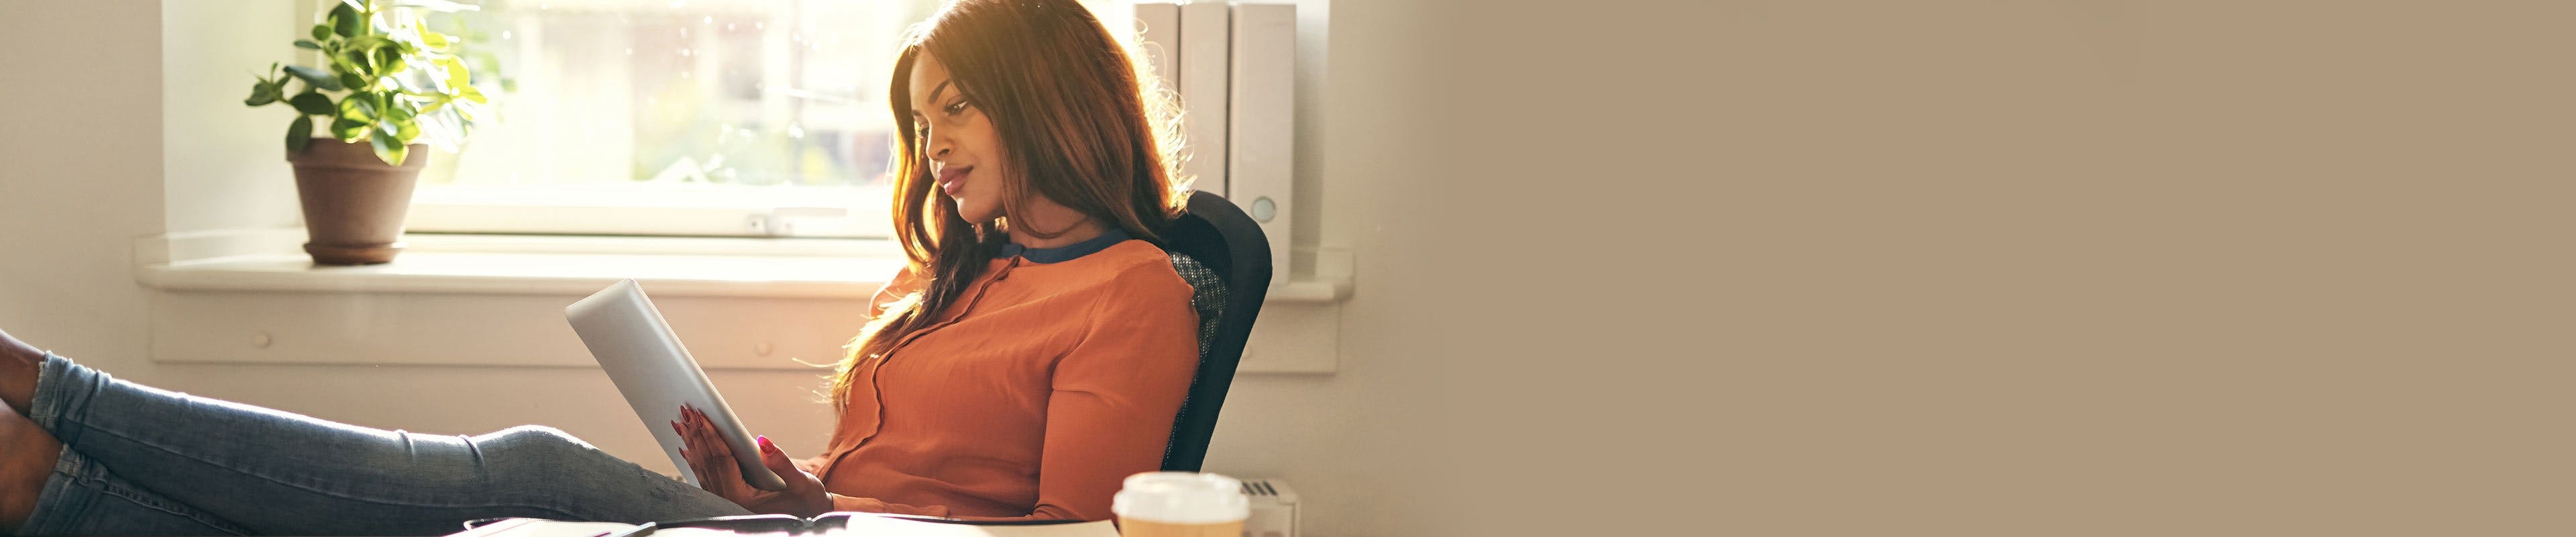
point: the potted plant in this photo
(389, 87)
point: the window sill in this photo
(497, 301)
(536, 274)
(717, 267)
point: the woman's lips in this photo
(950, 179)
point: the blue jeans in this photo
(138, 460)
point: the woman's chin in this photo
(975, 213)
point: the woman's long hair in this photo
(1080, 121)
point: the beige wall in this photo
(80, 172)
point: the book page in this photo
(870, 526)
(536, 527)
(533, 527)
(859, 526)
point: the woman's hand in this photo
(714, 463)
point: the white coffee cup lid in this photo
(1181, 498)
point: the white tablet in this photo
(645, 359)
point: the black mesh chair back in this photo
(1226, 260)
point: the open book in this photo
(827, 524)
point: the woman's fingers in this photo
(718, 457)
(707, 457)
(713, 460)
(707, 435)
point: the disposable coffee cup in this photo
(1180, 504)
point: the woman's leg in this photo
(19, 364)
(84, 498)
(275, 472)
(79, 496)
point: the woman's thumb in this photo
(775, 459)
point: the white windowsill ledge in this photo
(497, 301)
(539, 274)
(583, 265)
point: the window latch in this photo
(781, 221)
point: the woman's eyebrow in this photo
(943, 86)
(934, 94)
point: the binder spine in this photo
(1261, 155)
(1201, 65)
(1158, 38)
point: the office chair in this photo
(1226, 260)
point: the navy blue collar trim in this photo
(1067, 252)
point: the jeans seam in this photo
(131, 495)
(83, 483)
(50, 509)
(280, 482)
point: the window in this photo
(678, 117)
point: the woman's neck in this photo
(1083, 229)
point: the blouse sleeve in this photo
(1110, 412)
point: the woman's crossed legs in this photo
(139, 460)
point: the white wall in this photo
(229, 180)
(115, 116)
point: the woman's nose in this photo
(938, 148)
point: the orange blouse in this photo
(1038, 390)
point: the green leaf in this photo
(348, 130)
(307, 44)
(346, 22)
(399, 113)
(457, 77)
(370, 42)
(389, 60)
(355, 108)
(388, 148)
(314, 78)
(435, 40)
(352, 81)
(299, 134)
(261, 93)
(322, 32)
(312, 103)
(471, 94)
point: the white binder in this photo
(1261, 148)
(1202, 75)
(1158, 37)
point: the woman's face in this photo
(965, 154)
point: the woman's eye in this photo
(956, 108)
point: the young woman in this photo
(1031, 355)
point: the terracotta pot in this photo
(354, 203)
